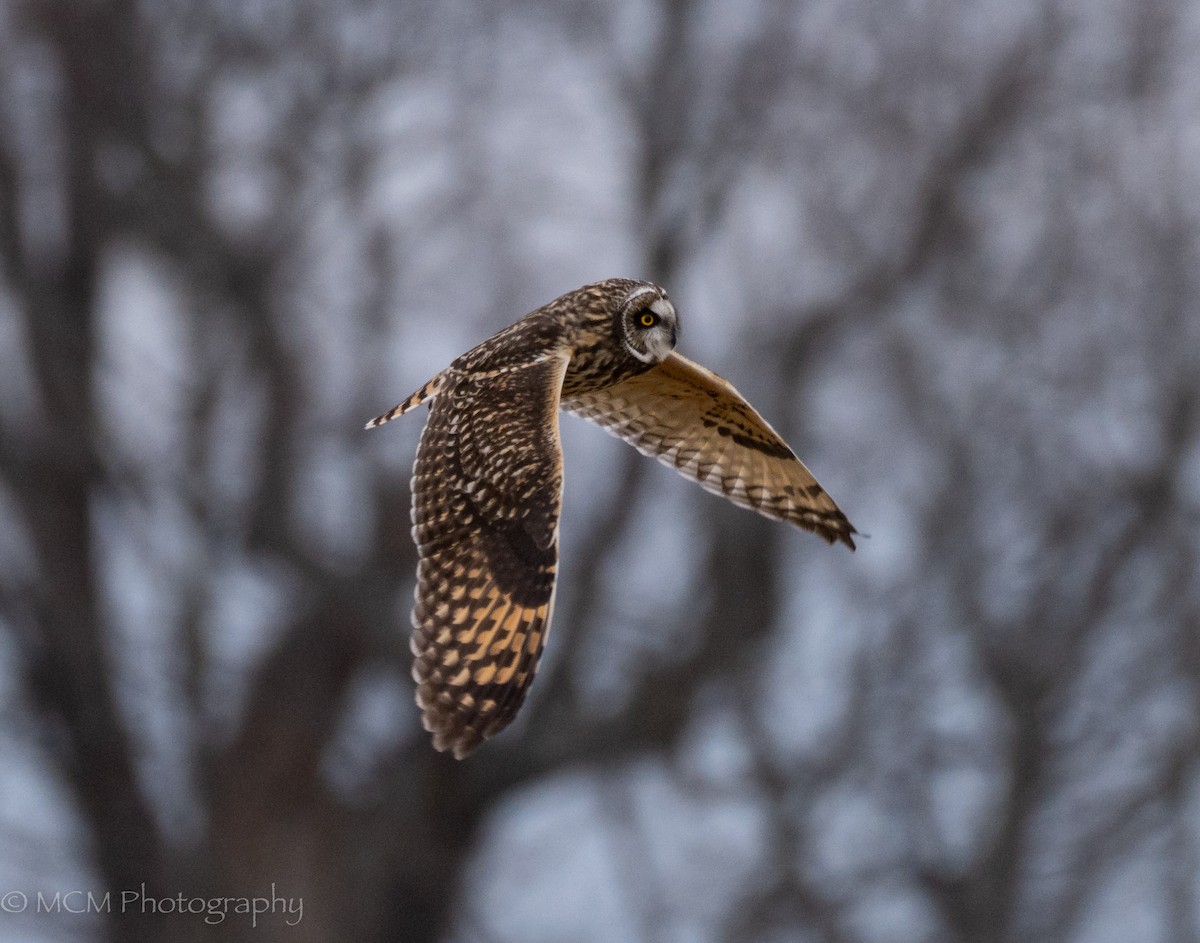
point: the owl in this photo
(487, 485)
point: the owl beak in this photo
(659, 346)
(662, 343)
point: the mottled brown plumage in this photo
(487, 486)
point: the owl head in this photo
(645, 323)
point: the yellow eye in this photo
(648, 318)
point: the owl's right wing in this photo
(487, 489)
(696, 422)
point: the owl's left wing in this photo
(696, 422)
(487, 488)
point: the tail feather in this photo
(427, 392)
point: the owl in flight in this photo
(487, 486)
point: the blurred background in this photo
(949, 249)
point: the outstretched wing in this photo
(487, 489)
(696, 422)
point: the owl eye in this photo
(648, 319)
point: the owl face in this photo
(647, 325)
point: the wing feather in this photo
(487, 490)
(696, 422)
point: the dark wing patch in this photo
(696, 422)
(487, 489)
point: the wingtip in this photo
(438, 717)
(459, 744)
(840, 537)
(836, 528)
(847, 536)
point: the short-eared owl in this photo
(487, 486)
